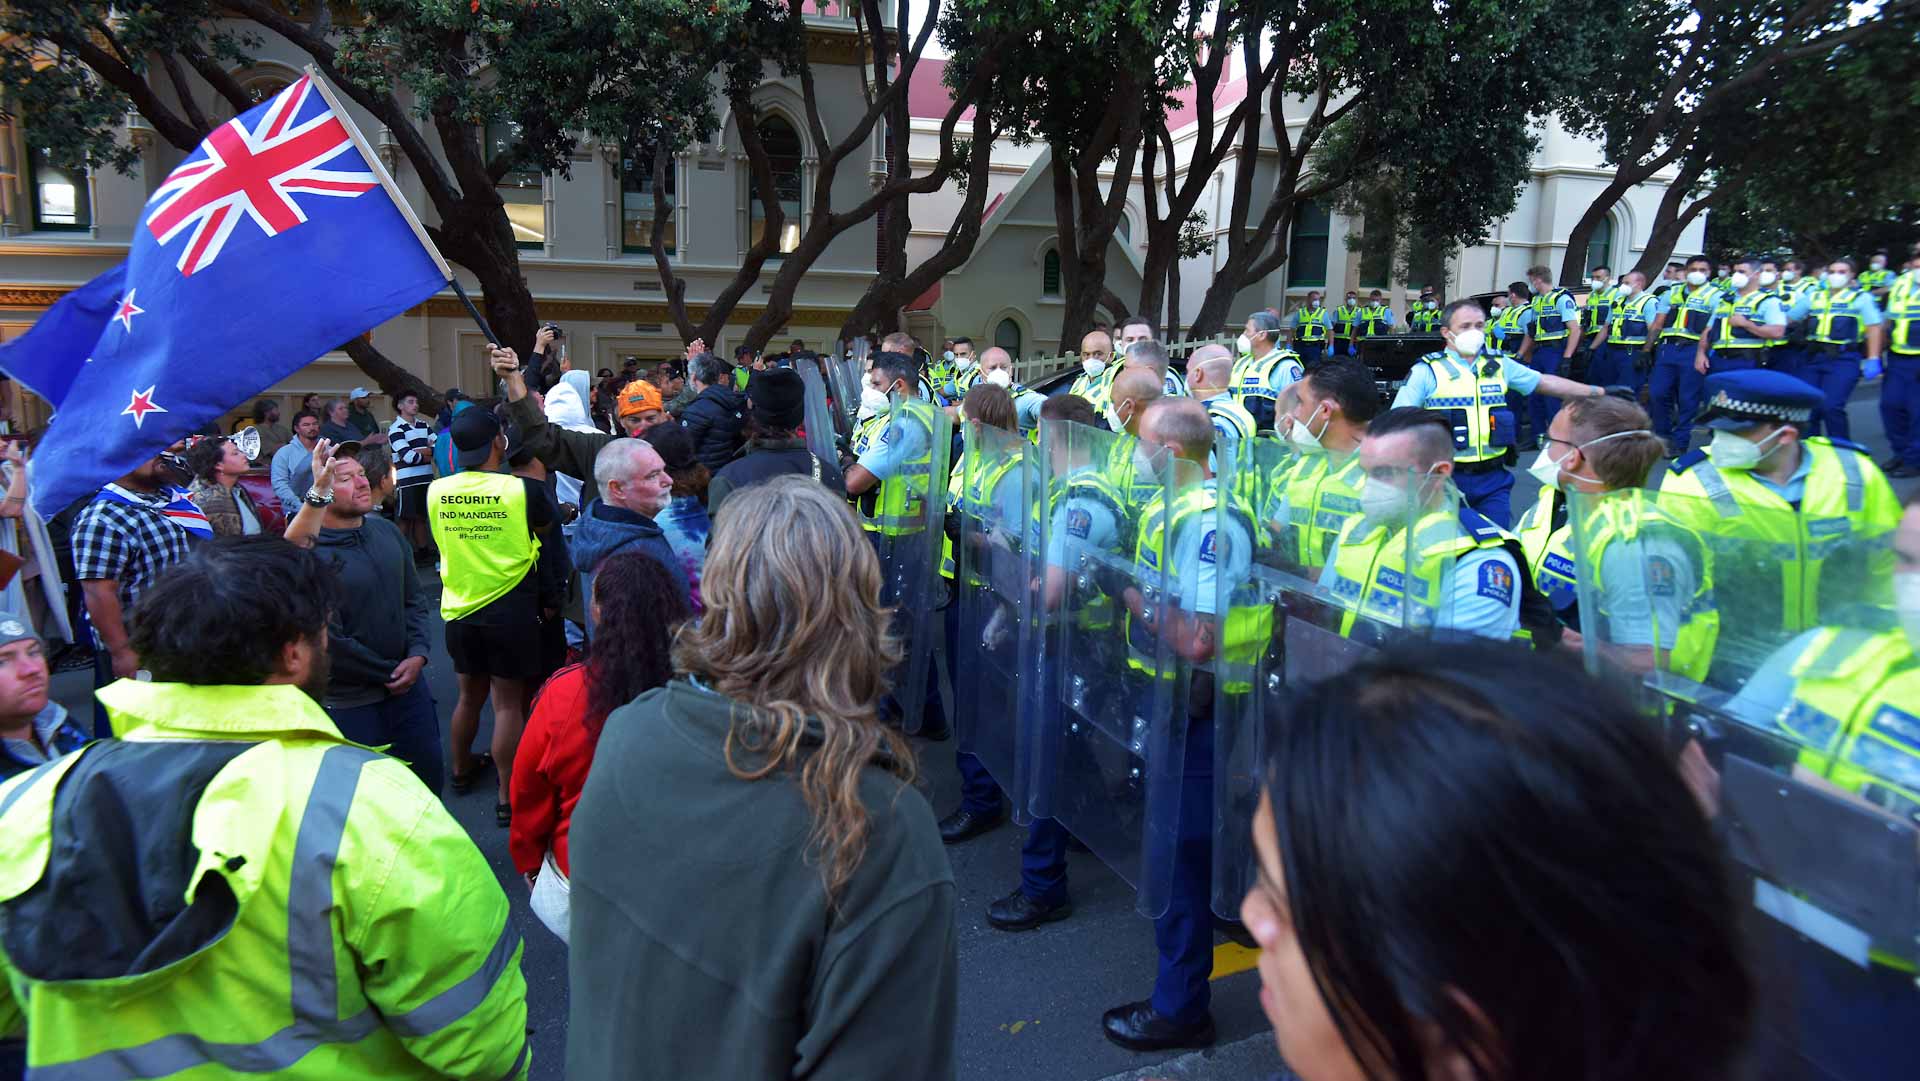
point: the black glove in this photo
(1643, 361)
(1623, 393)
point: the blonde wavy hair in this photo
(794, 632)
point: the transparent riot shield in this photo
(910, 511)
(1282, 625)
(822, 435)
(1109, 739)
(997, 655)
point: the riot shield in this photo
(910, 511)
(997, 654)
(1109, 738)
(822, 436)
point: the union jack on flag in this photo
(251, 171)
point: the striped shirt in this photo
(412, 444)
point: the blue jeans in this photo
(1900, 407)
(1674, 387)
(1546, 360)
(1490, 493)
(407, 724)
(1836, 375)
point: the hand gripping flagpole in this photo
(379, 169)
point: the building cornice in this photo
(618, 311)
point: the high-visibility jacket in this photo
(1903, 315)
(1691, 311)
(1503, 330)
(1831, 319)
(276, 902)
(1547, 539)
(1373, 320)
(1847, 501)
(1247, 630)
(866, 434)
(1728, 338)
(479, 521)
(1313, 326)
(1424, 320)
(1265, 377)
(900, 505)
(978, 491)
(1096, 389)
(1344, 318)
(1598, 311)
(1631, 320)
(1321, 494)
(1548, 324)
(1473, 398)
(1230, 418)
(1871, 279)
(1371, 577)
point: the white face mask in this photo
(1114, 420)
(948, 355)
(1498, 308)
(1301, 434)
(1741, 279)
(1789, 275)
(999, 377)
(1313, 302)
(1546, 469)
(1433, 305)
(1145, 459)
(1696, 278)
(1626, 290)
(1768, 277)
(1879, 264)
(1906, 605)
(1244, 344)
(963, 362)
(1469, 342)
(1092, 365)
(1730, 450)
(874, 401)
(1836, 281)
(1382, 501)
(1350, 300)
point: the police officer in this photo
(1136, 331)
(1622, 347)
(1345, 319)
(1597, 312)
(1551, 342)
(1723, 278)
(1096, 369)
(996, 369)
(1900, 396)
(1510, 319)
(1134, 389)
(1842, 324)
(1313, 494)
(1265, 368)
(1376, 319)
(1210, 377)
(1746, 321)
(1198, 543)
(1809, 507)
(1877, 279)
(1468, 387)
(961, 371)
(1424, 316)
(1673, 389)
(1312, 325)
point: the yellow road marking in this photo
(1231, 958)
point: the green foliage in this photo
(1195, 238)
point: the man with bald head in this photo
(996, 367)
(1133, 390)
(1150, 353)
(1204, 550)
(1210, 377)
(1096, 369)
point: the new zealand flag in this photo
(275, 241)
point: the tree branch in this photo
(183, 90)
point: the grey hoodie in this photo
(604, 530)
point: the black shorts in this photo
(500, 650)
(413, 501)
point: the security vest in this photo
(1547, 540)
(1903, 315)
(1230, 418)
(1313, 327)
(1135, 487)
(1692, 310)
(1247, 630)
(1831, 319)
(1548, 324)
(1838, 507)
(1729, 338)
(866, 435)
(1261, 378)
(1630, 321)
(1094, 609)
(901, 505)
(1373, 320)
(1322, 495)
(480, 523)
(1423, 320)
(1468, 394)
(1503, 330)
(1343, 319)
(984, 489)
(1370, 573)
(1599, 310)
(318, 914)
(1875, 279)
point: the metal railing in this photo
(1031, 370)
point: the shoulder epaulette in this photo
(1478, 524)
(1688, 460)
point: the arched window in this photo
(782, 144)
(1050, 274)
(1125, 228)
(1600, 246)
(519, 188)
(263, 84)
(1007, 336)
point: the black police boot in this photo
(1137, 1026)
(964, 825)
(1018, 912)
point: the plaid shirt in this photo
(130, 543)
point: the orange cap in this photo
(638, 397)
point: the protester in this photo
(125, 538)
(273, 434)
(314, 402)
(360, 415)
(810, 924)
(336, 425)
(445, 462)
(717, 417)
(217, 466)
(1514, 787)
(377, 462)
(638, 409)
(776, 410)
(566, 408)
(292, 469)
(411, 442)
(553, 572)
(250, 892)
(636, 605)
(377, 622)
(684, 519)
(33, 729)
(635, 487)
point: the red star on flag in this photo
(128, 309)
(140, 406)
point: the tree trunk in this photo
(1670, 220)
(1572, 270)
(393, 380)
(1216, 307)
(1172, 325)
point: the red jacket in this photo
(550, 769)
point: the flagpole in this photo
(473, 311)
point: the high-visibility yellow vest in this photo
(1630, 321)
(1230, 418)
(1321, 493)
(1692, 310)
(1875, 279)
(866, 435)
(1729, 338)
(1344, 317)
(479, 521)
(901, 506)
(1903, 315)
(1255, 378)
(1247, 630)
(1503, 330)
(1371, 577)
(1599, 308)
(1373, 320)
(1313, 327)
(982, 491)
(1424, 321)
(1831, 319)
(1548, 324)
(337, 921)
(1847, 500)
(1096, 389)
(1468, 394)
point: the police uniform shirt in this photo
(1864, 308)
(1083, 519)
(1310, 315)
(1479, 594)
(1026, 407)
(1420, 383)
(1202, 543)
(1795, 488)
(1648, 581)
(1770, 312)
(900, 442)
(1769, 691)
(1569, 311)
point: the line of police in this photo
(1145, 570)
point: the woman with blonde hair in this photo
(758, 890)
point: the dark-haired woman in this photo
(758, 889)
(636, 603)
(1532, 892)
(217, 466)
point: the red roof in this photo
(927, 97)
(924, 302)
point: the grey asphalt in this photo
(1030, 1003)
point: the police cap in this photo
(1735, 400)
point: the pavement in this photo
(1029, 1003)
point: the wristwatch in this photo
(315, 499)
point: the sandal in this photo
(503, 815)
(462, 783)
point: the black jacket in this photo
(764, 459)
(380, 613)
(716, 421)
